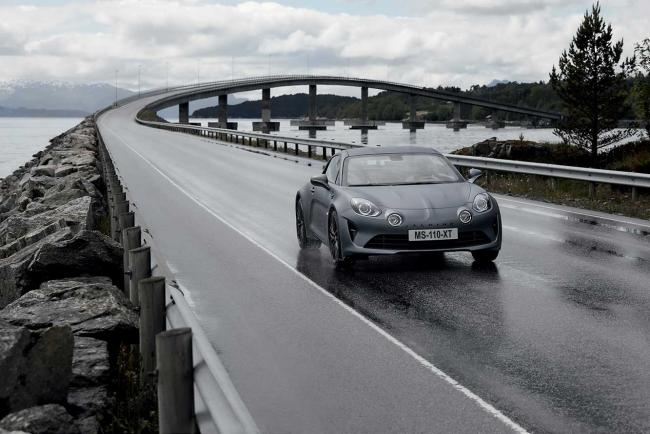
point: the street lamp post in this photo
(116, 71)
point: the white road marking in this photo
(425, 363)
(553, 212)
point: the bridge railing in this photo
(234, 85)
(308, 148)
(297, 146)
(194, 388)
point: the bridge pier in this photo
(363, 123)
(266, 126)
(457, 123)
(184, 113)
(312, 124)
(412, 124)
(222, 115)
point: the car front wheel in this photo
(305, 241)
(334, 241)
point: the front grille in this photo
(401, 242)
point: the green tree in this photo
(642, 83)
(591, 84)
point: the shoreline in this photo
(66, 326)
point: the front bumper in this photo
(374, 236)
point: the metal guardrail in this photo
(630, 179)
(300, 146)
(214, 406)
(304, 146)
(218, 407)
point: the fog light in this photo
(465, 216)
(394, 219)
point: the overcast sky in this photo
(434, 42)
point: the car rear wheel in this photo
(334, 241)
(305, 241)
(485, 255)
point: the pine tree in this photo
(642, 85)
(591, 84)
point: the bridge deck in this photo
(555, 335)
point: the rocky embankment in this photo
(62, 314)
(526, 150)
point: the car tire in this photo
(305, 239)
(485, 255)
(334, 241)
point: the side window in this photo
(333, 169)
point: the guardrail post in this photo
(275, 145)
(592, 190)
(551, 184)
(635, 193)
(140, 268)
(152, 319)
(124, 220)
(285, 148)
(296, 149)
(131, 239)
(121, 207)
(324, 153)
(175, 381)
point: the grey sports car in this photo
(386, 201)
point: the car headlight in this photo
(364, 207)
(481, 202)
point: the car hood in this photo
(419, 196)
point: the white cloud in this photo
(451, 43)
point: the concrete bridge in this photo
(223, 88)
(550, 338)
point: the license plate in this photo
(433, 234)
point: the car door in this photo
(322, 198)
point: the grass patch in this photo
(134, 406)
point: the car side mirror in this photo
(474, 174)
(320, 181)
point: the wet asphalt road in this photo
(556, 334)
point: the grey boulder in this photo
(92, 306)
(44, 419)
(36, 365)
(59, 255)
(90, 365)
(47, 170)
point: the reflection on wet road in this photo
(556, 333)
(561, 351)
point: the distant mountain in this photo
(57, 95)
(40, 113)
(497, 82)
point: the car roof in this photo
(374, 150)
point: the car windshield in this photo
(398, 169)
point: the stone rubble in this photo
(62, 314)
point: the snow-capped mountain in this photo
(58, 95)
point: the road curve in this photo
(554, 335)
